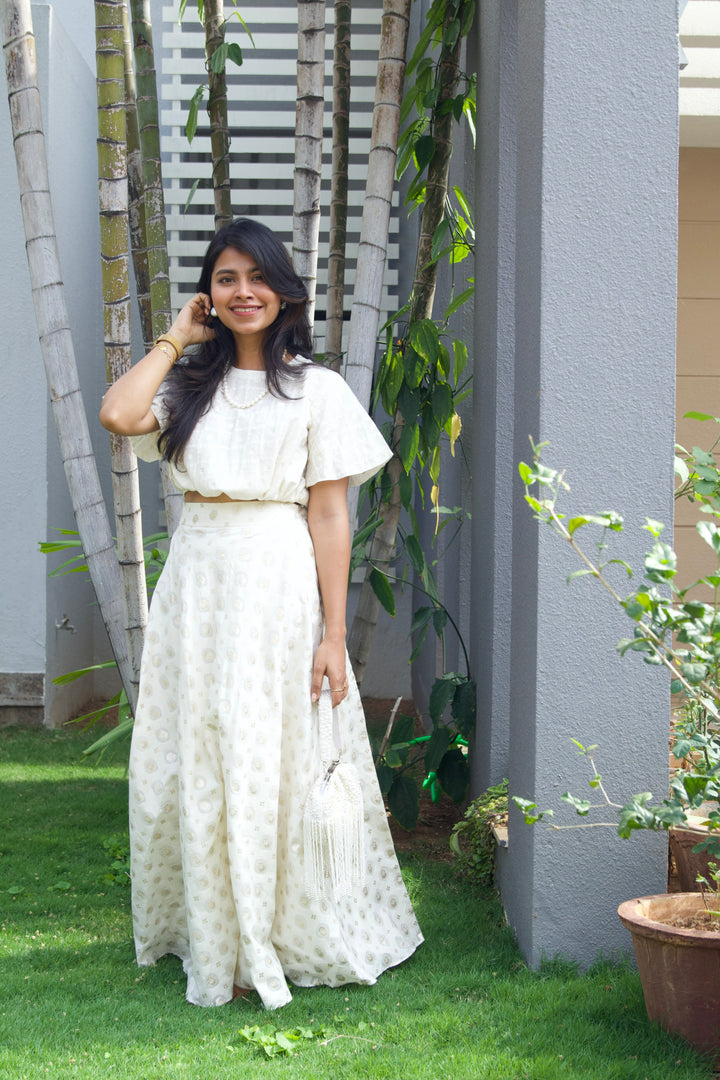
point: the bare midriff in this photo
(195, 496)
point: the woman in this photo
(247, 620)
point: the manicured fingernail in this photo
(314, 697)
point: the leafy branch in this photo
(672, 631)
(657, 618)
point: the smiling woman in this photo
(247, 623)
(245, 303)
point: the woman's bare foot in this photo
(241, 991)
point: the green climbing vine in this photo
(421, 381)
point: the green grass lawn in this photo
(464, 1007)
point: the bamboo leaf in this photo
(430, 587)
(469, 110)
(442, 403)
(392, 382)
(409, 100)
(414, 367)
(430, 428)
(430, 99)
(116, 734)
(405, 483)
(235, 53)
(434, 469)
(406, 145)
(455, 429)
(460, 354)
(452, 33)
(422, 618)
(464, 707)
(440, 618)
(420, 48)
(459, 300)
(415, 554)
(193, 189)
(70, 676)
(218, 58)
(423, 152)
(465, 206)
(419, 642)
(385, 777)
(191, 124)
(402, 800)
(443, 362)
(454, 775)
(467, 18)
(425, 339)
(244, 25)
(439, 239)
(408, 448)
(436, 748)
(442, 693)
(459, 252)
(382, 589)
(457, 106)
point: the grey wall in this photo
(50, 625)
(591, 320)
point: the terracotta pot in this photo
(679, 969)
(688, 862)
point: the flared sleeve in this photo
(146, 446)
(342, 439)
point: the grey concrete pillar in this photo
(493, 388)
(594, 330)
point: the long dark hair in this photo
(191, 385)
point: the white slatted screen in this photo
(261, 112)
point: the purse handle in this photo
(331, 744)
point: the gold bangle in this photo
(168, 350)
(171, 340)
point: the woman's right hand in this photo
(126, 408)
(191, 326)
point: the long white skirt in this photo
(225, 749)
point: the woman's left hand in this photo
(330, 660)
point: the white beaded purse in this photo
(333, 817)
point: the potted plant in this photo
(678, 959)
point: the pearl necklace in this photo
(238, 404)
(244, 404)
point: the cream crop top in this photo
(277, 448)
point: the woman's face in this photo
(242, 299)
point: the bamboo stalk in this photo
(339, 185)
(217, 111)
(372, 250)
(136, 192)
(53, 327)
(309, 108)
(149, 127)
(113, 205)
(425, 279)
(155, 238)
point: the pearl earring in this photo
(283, 305)
(213, 312)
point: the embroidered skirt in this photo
(225, 749)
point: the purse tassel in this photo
(333, 821)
